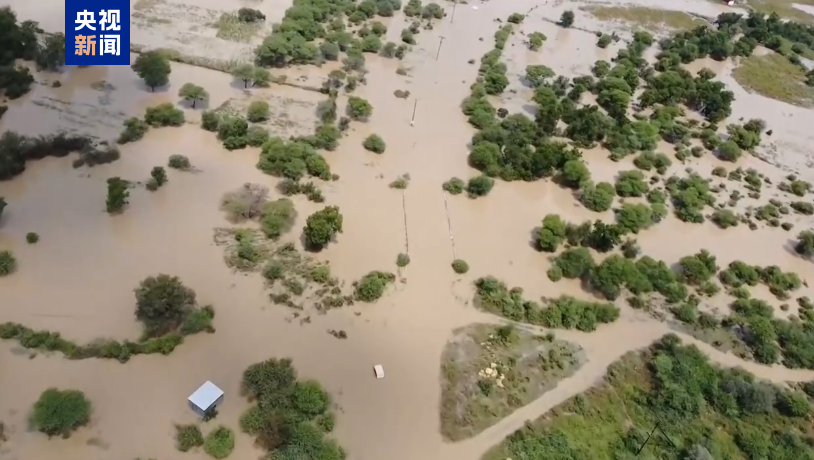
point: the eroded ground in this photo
(78, 279)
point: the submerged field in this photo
(490, 187)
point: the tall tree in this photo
(154, 68)
(193, 93)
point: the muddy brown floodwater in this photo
(79, 278)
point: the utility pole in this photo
(415, 105)
(439, 47)
(452, 16)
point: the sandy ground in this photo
(79, 278)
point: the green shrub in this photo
(374, 143)
(134, 129)
(574, 262)
(220, 442)
(8, 264)
(598, 198)
(551, 234)
(554, 273)
(479, 186)
(454, 186)
(188, 437)
(402, 260)
(258, 111)
(251, 421)
(277, 217)
(321, 227)
(631, 184)
(164, 115)
(58, 413)
(32, 237)
(179, 162)
(460, 266)
(372, 286)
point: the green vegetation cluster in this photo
(166, 308)
(290, 418)
(16, 150)
(25, 40)
(60, 412)
(706, 411)
(564, 312)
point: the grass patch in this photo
(490, 371)
(773, 76)
(707, 412)
(648, 18)
(231, 28)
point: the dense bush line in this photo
(166, 308)
(564, 312)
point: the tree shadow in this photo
(530, 109)
(158, 89)
(200, 105)
(533, 236)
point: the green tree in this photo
(536, 40)
(698, 268)
(805, 243)
(359, 109)
(244, 72)
(575, 173)
(117, 194)
(321, 227)
(162, 303)
(538, 74)
(159, 175)
(479, 186)
(575, 262)
(8, 263)
(598, 197)
(566, 19)
(134, 129)
(631, 184)
(310, 398)
(154, 68)
(634, 217)
(193, 93)
(59, 412)
(729, 151)
(51, 55)
(3, 205)
(551, 234)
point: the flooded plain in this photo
(79, 278)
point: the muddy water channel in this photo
(79, 278)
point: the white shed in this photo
(205, 399)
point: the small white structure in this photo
(205, 399)
(379, 370)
